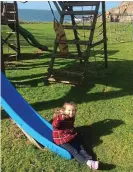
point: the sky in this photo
(43, 5)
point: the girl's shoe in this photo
(94, 165)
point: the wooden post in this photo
(2, 67)
(17, 28)
(88, 50)
(104, 34)
(51, 64)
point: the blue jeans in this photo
(75, 147)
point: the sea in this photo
(32, 15)
(29, 15)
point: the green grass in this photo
(105, 103)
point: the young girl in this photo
(64, 134)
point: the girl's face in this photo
(70, 111)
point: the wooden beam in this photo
(104, 34)
(81, 3)
(57, 7)
(97, 43)
(9, 6)
(88, 50)
(75, 34)
(32, 140)
(72, 42)
(89, 12)
(77, 27)
(17, 28)
(70, 56)
(2, 66)
(4, 40)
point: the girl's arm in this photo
(57, 121)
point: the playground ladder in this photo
(67, 8)
(9, 15)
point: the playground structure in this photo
(33, 125)
(9, 17)
(70, 9)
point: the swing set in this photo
(69, 8)
(9, 17)
(87, 12)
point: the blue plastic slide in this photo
(27, 118)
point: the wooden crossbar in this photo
(10, 7)
(81, 3)
(72, 42)
(90, 12)
(77, 27)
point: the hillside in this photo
(123, 12)
(124, 7)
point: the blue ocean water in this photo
(29, 15)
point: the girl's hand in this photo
(63, 117)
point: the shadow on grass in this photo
(91, 136)
(30, 65)
(28, 56)
(4, 115)
(105, 166)
(118, 75)
(81, 94)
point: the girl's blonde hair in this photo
(61, 110)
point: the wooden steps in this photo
(10, 16)
(10, 13)
(79, 42)
(72, 42)
(89, 12)
(69, 56)
(10, 6)
(77, 27)
(80, 3)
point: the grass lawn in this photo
(105, 103)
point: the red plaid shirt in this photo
(63, 129)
